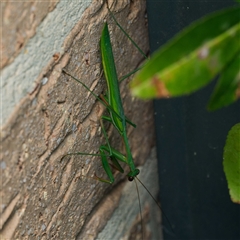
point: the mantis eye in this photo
(130, 179)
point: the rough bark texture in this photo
(20, 19)
(42, 195)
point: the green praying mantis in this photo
(117, 117)
(113, 102)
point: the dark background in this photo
(190, 140)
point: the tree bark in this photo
(46, 114)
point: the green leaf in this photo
(231, 162)
(192, 59)
(226, 89)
